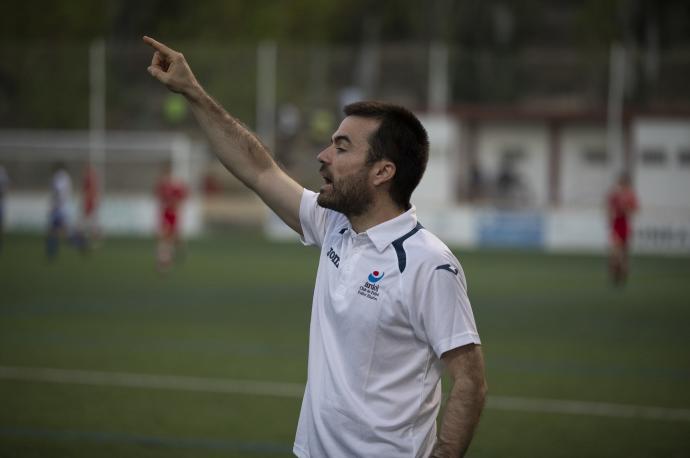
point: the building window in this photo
(513, 154)
(653, 157)
(594, 157)
(684, 157)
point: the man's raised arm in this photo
(237, 148)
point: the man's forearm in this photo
(237, 147)
(461, 416)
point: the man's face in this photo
(347, 188)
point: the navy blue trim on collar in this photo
(400, 251)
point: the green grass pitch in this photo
(238, 308)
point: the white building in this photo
(561, 172)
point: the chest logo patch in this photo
(375, 276)
(370, 289)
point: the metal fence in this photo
(47, 85)
(293, 94)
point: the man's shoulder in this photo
(429, 243)
(426, 251)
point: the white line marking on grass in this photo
(599, 409)
(296, 390)
(172, 382)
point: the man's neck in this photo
(378, 213)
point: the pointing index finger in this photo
(158, 46)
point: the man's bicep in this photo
(282, 194)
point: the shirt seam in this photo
(427, 368)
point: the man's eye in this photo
(339, 149)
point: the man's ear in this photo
(383, 172)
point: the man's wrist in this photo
(195, 93)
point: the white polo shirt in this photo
(387, 304)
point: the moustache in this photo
(325, 173)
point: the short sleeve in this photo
(441, 314)
(313, 219)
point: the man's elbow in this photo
(482, 390)
(472, 388)
(477, 388)
(478, 384)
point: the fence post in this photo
(266, 93)
(97, 107)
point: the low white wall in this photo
(659, 231)
(583, 230)
(117, 215)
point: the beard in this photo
(349, 195)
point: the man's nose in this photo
(323, 156)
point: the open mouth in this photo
(327, 183)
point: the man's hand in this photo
(170, 68)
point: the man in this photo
(621, 204)
(4, 185)
(90, 231)
(58, 215)
(170, 192)
(390, 308)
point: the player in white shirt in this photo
(59, 212)
(4, 186)
(390, 309)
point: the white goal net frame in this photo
(127, 163)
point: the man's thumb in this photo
(155, 72)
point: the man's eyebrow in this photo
(339, 138)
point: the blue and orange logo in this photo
(375, 276)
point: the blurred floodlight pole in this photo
(614, 113)
(181, 158)
(97, 108)
(266, 93)
(438, 92)
(367, 72)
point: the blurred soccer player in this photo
(621, 205)
(90, 231)
(390, 308)
(4, 185)
(171, 193)
(58, 215)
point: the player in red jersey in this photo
(621, 205)
(171, 193)
(90, 195)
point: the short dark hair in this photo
(400, 138)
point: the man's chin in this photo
(323, 199)
(326, 200)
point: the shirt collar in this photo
(387, 232)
